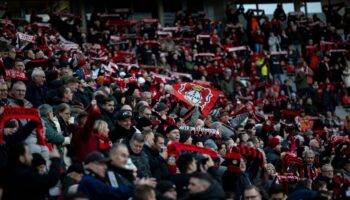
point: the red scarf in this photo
(104, 143)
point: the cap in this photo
(161, 107)
(123, 115)
(171, 128)
(184, 137)
(164, 186)
(95, 156)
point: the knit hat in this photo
(273, 142)
(161, 107)
(184, 136)
(171, 128)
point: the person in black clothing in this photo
(117, 173)
(24, 182)
(107, 109)
(202, 186)
(156, 152)
(123, 128)
(3, 94)
(35, 89)
(187, 165)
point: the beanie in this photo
(273, 142)
(233, 162)
(171, 128)
(184, 137)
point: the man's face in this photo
(251, 194)
(174, 135)
(98, 168)
(136, 146)
(19, 66)
(19, 91)
(196, 186)
(148, 98)
(3, 91)
(120, 157)
(310, 159)
(126, 123)
(150, 139)
(159, 144)
(73, 86)
(40, 79)
(278, 196)
(328, 172)
(109, 106)
(27, 157)
(147, 113)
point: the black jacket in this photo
(24, 182)
(214, 192)
(141, 161)
(36, 95)
(181, 181)
(235, 183)
(123, 177)
(108, 118)
(159, 167)
(121, 133)
(19, 136)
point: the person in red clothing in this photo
(85, 140)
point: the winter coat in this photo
(97, 189)
(85, 141)
(141, 162)
(158, 165)
(24, 182)
(274, 43)
(35, 94)
(20, 135)
(108, 118)
(214, 192)
(119, 176)
(302, 193)
(181, 181)
(234, 182)
(121, 133)
(301, 81)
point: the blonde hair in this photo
(99, 125)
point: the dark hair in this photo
(157, 136)
(184, 161)
(275, 189)
(202, 176)
(142, 192)
(106, 100)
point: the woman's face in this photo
(65, 115)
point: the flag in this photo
(197, 95)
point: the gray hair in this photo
(44, 110)
(36, 72)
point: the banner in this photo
(202, 131)
(10, 112)
(197, 95)
(26, 37)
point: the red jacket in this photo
(85, 141)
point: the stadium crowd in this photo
(98, 115)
